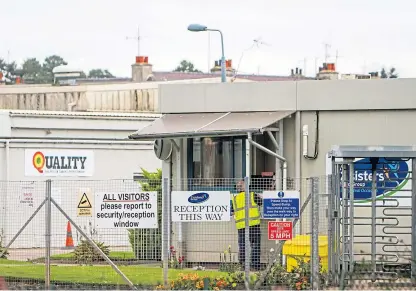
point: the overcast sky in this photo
(368, 34)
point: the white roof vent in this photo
(65, 69)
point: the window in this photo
(213, 160)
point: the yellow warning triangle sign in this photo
(84, 202)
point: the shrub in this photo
(228, 263)
(197, 282)
(299, 277)
(277, 276)
(175, 260)
(85, 253)
(147, 243)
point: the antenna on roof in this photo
(138, 38)
(337, 56)
(327, 46)
(256, 43)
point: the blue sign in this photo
(198, 197)
(392, 175)
(281, 204)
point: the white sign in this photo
(193, 206)
(26, 196)
(126, 210)
(63, 163)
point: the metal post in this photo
(351, 220)
(106, 258)
(330, 220)
(315, 235)
(344, 215)
(247, 247)
(413, 268)
(165, 229)
(48, 214)
(337, 210)
(373, 218)
(223, 77)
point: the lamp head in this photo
(197, 27)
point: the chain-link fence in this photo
(122, 234)
(81, 234)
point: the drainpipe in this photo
(298, 155)
(297, 149)
(282, 153)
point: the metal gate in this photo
(373, 220)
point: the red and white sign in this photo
(280, 230)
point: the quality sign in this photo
(63, 163)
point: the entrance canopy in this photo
(373, 152)
(209, 124)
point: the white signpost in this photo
(126, 210)
(194, 206)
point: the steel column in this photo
(315, 235)
(48, 214)
(413, 270)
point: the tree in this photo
(52, 62)
(187, 67)
(9, 70)
(147, 243)
(392, 74)
(100, 73)
(32, 69)
(49, 64)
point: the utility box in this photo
(300, 247)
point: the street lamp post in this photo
(199, 28)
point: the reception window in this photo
(216, 162)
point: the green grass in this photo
(10, 262)
(113, 255)
(139, 275)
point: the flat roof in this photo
(330, 95)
